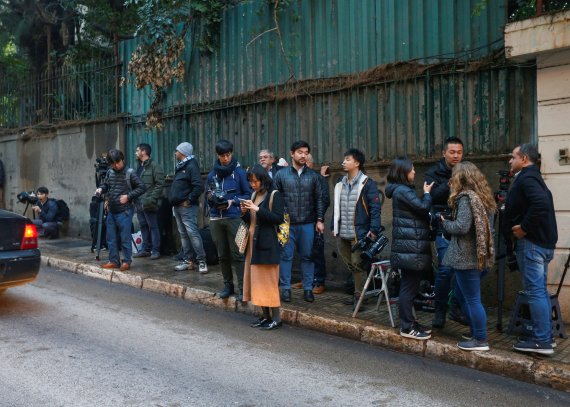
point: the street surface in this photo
(67, 340)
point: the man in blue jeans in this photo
(440, 174)
(530, 218)
(303, 196)
(184, 195)
(122, 187)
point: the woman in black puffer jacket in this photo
(411, 245)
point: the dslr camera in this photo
(217, 195)
(370, 248)
(27, 197)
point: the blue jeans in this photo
(469, 282)
(533, 263)
(444, 274)
(300, 238)
(148, 222)
(119, 225)
(187, 223)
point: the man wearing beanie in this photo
(184, 196)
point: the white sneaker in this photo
(202, 267)
(185, 265)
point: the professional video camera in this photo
(370, 248)
(29, 198)
(101, 168)
(505, 178)
(217, 195)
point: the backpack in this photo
(62, 210)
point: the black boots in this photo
(227, 291)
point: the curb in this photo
(533, 370)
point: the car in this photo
(20, 257)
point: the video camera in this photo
(218, 195)
(370, 248)
(101, 168)
(505, 178)
(27, 197)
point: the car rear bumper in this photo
(19, 267)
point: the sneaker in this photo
(414, 334)
(155, 256)
(259, 322)
(141, 254)
(473, 344)
(297, 286)
(271, 325)
(202, 267)
(536, 347)
(419, 327)
(185, 265)
(524, 338)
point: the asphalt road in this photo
(67, 340)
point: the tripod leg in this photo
(100, 213)
(363, 293)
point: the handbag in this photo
(283, 228)
(242, 237)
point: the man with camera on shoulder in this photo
(47, 219)
(122, 187)
(227, 184)
(356, 216)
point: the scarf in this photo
(180, 164)
(483, 233)
(222, 171)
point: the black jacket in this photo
(529, 204)
(411, 249)
(302, 194)
(440, 174)
(49, 211)
(266, 249)
(116, 184)
(326, 193)
(187, 184)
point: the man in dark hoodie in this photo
(530, 218)
(439, 175)
(184, 196)
(122, 187)
(227, 184)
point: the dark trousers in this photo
(231, 260)
(409, 288)
(148, 222)
(319, 259)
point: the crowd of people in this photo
(456, 213)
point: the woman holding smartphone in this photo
(263, 213)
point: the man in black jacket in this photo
(303, 196)
(184, 196)
(122, 187)
(48, 220)
(440, 174)
(530, 217)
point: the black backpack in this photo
(62, 210)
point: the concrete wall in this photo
(63, 161)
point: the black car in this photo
(19, 254)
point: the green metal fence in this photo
(67, 93)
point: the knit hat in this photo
(185, 148)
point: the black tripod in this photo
(100, 215)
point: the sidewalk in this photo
(327, 314)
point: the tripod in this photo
(100, 215)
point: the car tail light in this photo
(30, 239)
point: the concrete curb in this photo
(519, 367)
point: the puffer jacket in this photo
(411, 248)
(366, 211)
(116, 184)
(152, 175)
(302, 194)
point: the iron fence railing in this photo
(77, 92)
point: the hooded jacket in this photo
(231, 177)
(411, 244)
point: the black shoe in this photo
(260, 322)
(271, 325)
(239, 297)
(354, 300)
(227, 291)
(141, 254)
(309, 296)
(534, 347)
(419, 327)
(286, 295)
(438, 318)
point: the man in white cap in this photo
(184, 196)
